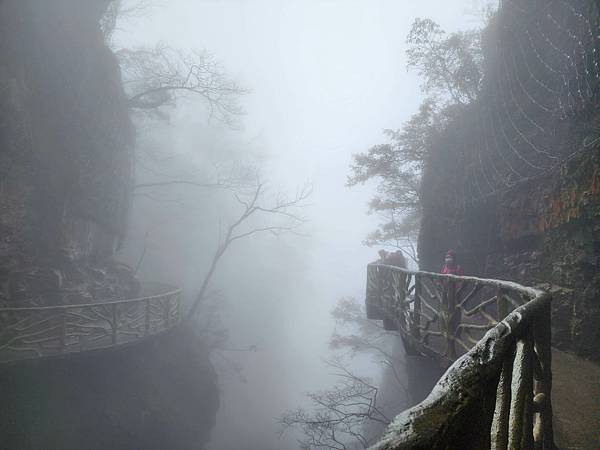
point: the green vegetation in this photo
(450, 65)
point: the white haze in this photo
(326, 77)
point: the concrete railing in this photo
(47, 331)
(494, 336)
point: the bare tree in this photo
(235, 178)
(399, 230)
(341, 416)
(156, 77)
(340, 413)
(252, 220)
(364, 336)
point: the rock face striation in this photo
(513, 183)
(66, 155)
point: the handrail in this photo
(497, 394)
(48, 331)
(107, 302)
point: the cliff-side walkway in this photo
(495, 337)
(50, 331)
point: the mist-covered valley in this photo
(324, 79)
(195, 196)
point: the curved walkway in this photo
(494, 334)
(47, 331)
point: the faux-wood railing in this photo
(495, 335)
(47, 331)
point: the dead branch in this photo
(252, 207)
(340, 413)
(154, 77)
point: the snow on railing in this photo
(494, 335)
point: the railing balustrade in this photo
(46, 331)
(494, 336)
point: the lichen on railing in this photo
(497, 394)
(37, 332)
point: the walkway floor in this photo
(576, 401)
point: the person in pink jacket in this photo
(450, 266)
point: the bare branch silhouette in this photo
(155, 77)
(340, 413)
(341, 416)
(254, 206)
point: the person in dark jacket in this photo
(396, 259)
(382, 255)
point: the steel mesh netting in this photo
(540, 89)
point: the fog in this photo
(325, 78)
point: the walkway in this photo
(576, 401)
(49, 331)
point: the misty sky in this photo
(327, 76)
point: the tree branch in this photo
(251, 207)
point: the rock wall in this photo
(65, 154)
(485, 190)
(544, 232)
(66, 176)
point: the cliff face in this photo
(514, 182)
(544, 232)
(66, 174)
(65, 153)
(161, 394)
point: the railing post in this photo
(371, 293)
(543, 398)
(500, 422)
(168, 312)
(452, 318)
(177, 300)
(114, 322)
(62, 337)
(501, 304)
(416, 315)
(147, 317)
(402, 281)
(520, 432)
